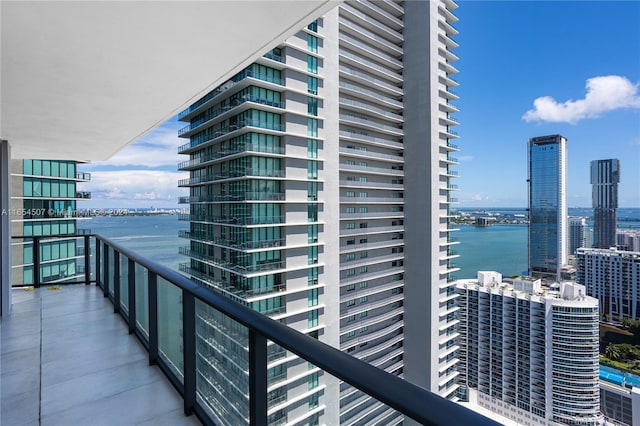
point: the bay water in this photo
(500, 247)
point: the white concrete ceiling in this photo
(82, 79)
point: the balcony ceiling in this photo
(82, 79)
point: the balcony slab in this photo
(67, 359)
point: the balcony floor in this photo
(67, 359)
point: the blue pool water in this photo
(618, 377)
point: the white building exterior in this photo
(620, 404)
(530, 356)
(628, 239)
(613, 277)
(305, 172)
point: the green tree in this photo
(613, 352)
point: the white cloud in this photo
(479, 197)
(158, 148)
(465, 158)
(605, 93)
(140, 188)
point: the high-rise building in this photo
(43, 203)
(530, 353)
(628, 239)
(306, 170)
(605, 175)
(547, 206)
(578, 233)
(613, 277)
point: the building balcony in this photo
(210, 98)
(233, 198)
(84, 195)
(371, 170)
(224, 131)
(83, 176)
(213, 115)
(122, 348)
(247, 149)
(370, 81)
(362, 137)
(232, 174)
(359, 153)
(238, 221)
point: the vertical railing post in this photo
(116, 281)
(36, 262)
(257, 379)
(189, 350)
(98, 260)
(153, 318)
(105, 263)
(131, 267)
(87, 260)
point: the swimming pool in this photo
(618, 377)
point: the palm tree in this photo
(613, 352)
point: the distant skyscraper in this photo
(547, 205)
(577, 234)
(605, 175)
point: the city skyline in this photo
(601, 52)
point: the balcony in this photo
(83, 195)
(99, 350)
(85, 366)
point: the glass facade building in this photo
(547, 169)
(44, 199)
(578, 234)
(301, 170)
(605, 176)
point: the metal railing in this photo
(143, 292)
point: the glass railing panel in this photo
(222, 366)
(92, 256)
(100, 259)
(357, 406)
(60, 260)
(142, 298)
(170, 326)
(22, 254)
(124, 283)
(110, 269)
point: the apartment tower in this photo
(578, 233)
(613, 277)
(44, 199)
(529, 352)
(605, 175)
(319, 194)
(547, 171)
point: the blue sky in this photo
(581, 57)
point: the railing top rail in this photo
(411, 400)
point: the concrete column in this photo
(5, 228)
